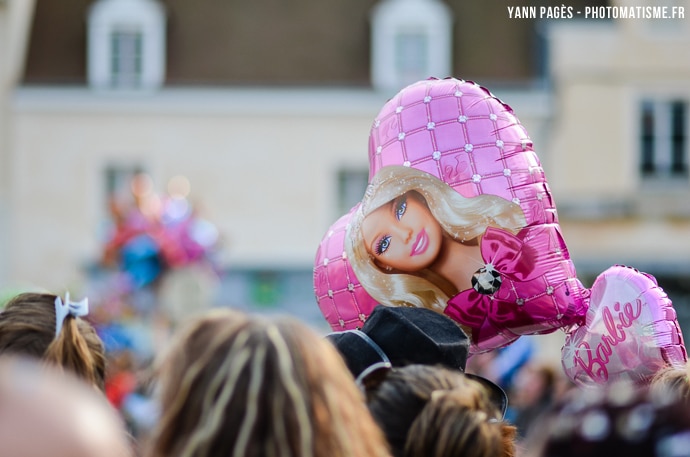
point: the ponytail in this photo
(29, 326)
(78, 349)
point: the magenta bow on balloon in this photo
(522, 296)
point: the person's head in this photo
(29, 326)
(675, 380)
(398, 204)
(237, 384)
(433, 411)
(397, 336)
(48, 412)
(617, 419)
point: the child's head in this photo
(675, 381)
(235, 384)
(462, 219)
(46, 411)
(430, 410)
(29, 326)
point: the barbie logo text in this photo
(595, 361)
(454, 172)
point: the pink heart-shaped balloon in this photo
(458, 134)
(458, 217)
(631, 331)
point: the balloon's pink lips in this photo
(420, 243)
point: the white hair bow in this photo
(74, 309)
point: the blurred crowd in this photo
(229, 382)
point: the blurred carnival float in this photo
(160, 250)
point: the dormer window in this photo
(126, 44)
(126, 64)
(411, 40)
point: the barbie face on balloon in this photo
(415, 241)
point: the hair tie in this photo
(437, 394)
(74, 309)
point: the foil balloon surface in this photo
(457, 217)
(631, 331)
(343, 301)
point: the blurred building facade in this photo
(265, 107)
(618, 157)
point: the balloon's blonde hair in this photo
(461, 218)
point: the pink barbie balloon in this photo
(458, 217)
(452, 168)
(631, 331)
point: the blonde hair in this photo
(460, 217)
(241, 385)
(27, 327)
(673, 380)
(429, 411)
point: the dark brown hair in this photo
(431, 411)
(27, 327)
(234, 384)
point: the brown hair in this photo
(430, 411)
(27, 327)
(240, 385)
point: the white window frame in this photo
(658, 163)
(352, 183)
(126, 69)
(106, 19)
(391, 19)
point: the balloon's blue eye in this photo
(401, 207)
(383, 245)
